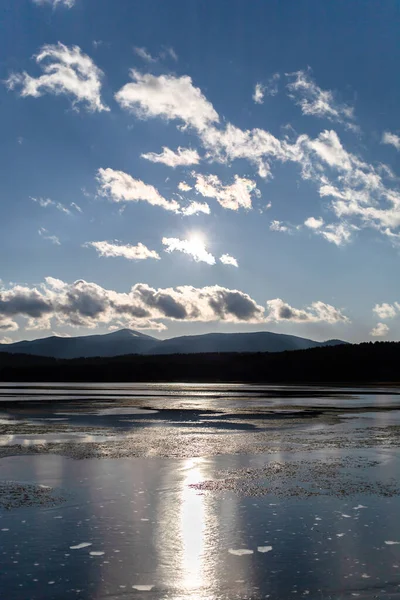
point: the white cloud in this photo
(121, 187)
(7, 324)
(109, 249)
(183, 157)
(380, 330)
(46, 202)
(392, 139)
(227, 259)
(76, 207)
(258, 95)
(146, 56)
(358, 191)
(313, 223)
(52, 238)
(56, 303)
(55, 3)
(271, 87)
(385, 310)
(317, 102)
(317, 312)
(195, 208)
(194, 247)
(254, 145)
(279, 226)
(337, 233)
(6, 340)
(67, 70)
(184, 187)
(170, 52)
(234, 196)
(168, 97)
(268, 89)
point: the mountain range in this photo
(127, 341)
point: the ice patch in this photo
(143, 588)
(346, 516)
(79, 546)
(340, 534)
(96, 553)
(126, 411)
(240, 551)
(390, 543)
(5, 529)
(359, 506)
(365, 576)
(264, 548)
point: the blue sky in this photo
(190, 166)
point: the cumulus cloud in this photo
(193, 247)
(182, 158)
(313, 223)
(184, 187)
(195, 208)
(110, 249)
(385, 310)
(227, 259)
(380, 330)
(121, 187)
(234, 196)
(317, 312)
(55, 3)
(66, 70)
(46, 202)
(167, 97)
(360, 194)
(88, 304)
(7, 324)
(255, 145)
(317, 102)
(46, 236)
(392, 139)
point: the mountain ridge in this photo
(129, 341)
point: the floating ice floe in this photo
(96, 553)
(359, 506)
(240, 551)
(391, 543)
(79, 546)
(143, 588)
(264, 548)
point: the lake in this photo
(208, 491)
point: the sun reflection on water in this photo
(192, 524)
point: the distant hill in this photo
(127, 341)
(261, 341)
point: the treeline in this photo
(367, 362)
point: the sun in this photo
(197, 241)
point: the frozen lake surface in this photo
(208, 492)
